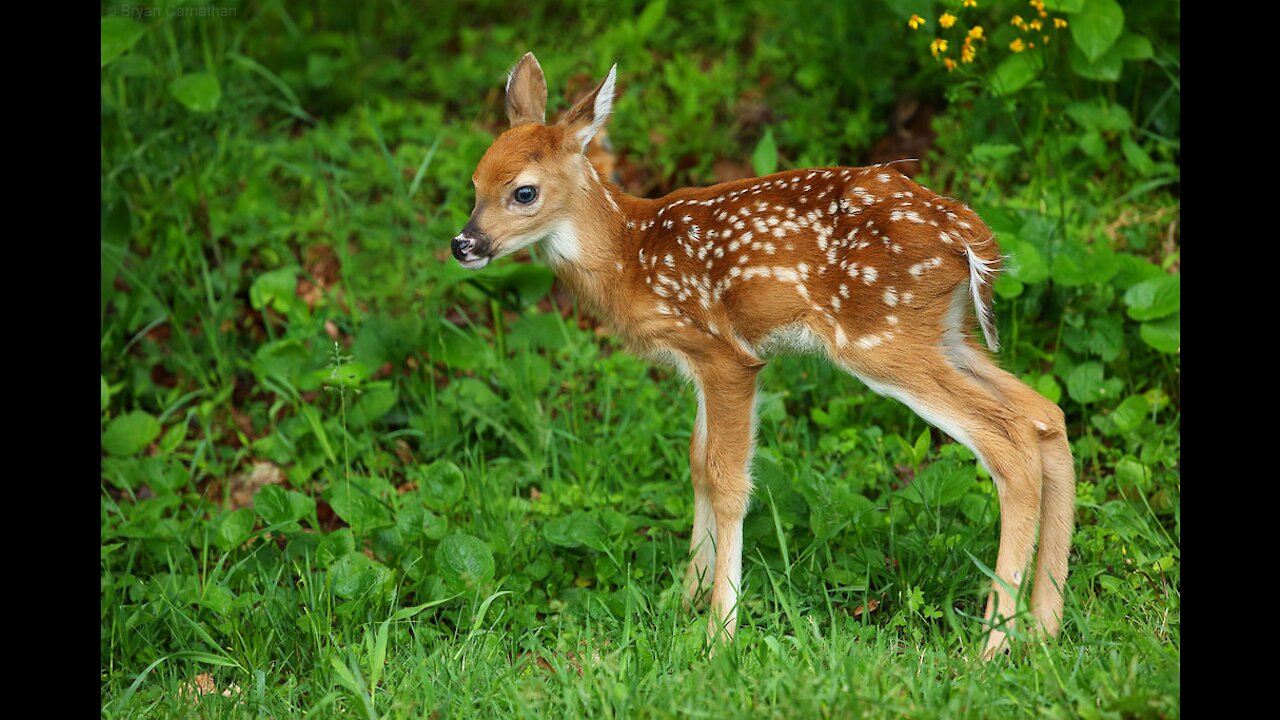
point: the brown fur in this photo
(862, 264)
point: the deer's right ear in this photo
(527, 92)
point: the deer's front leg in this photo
(702, 544)
(728, 391)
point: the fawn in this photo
(862, 264)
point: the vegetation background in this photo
(342, 476)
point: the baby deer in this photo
(861, 264)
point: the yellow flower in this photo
(976, 32)
(971, 3)
(967, 53)
(951, 64)
(1034, 25)
(1059, 23)
(916, 21)
(1018, 22)
(1037, 4)
(1017, 45)
(947, 20)
(938, 46)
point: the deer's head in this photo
(534, 179)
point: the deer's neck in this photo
(588, 250)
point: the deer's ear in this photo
(526, 92)
(585, 119)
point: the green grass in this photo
(481, 506)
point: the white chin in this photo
(474, 263)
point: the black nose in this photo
(461, 245)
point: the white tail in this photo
(860, 264)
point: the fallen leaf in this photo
(871, 606)
(245, 485)
(323, 265)
(202, 685)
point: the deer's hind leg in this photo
(1005, 441)
(702, 544)
(1058, 490)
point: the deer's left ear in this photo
(586, 118)
(526, 92)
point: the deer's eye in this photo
(526, 194)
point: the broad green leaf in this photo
(1135, 47)
(530, 283)
(1134, 269)
(217, 598)
(650, 17)
(282, 360)
(1086, 383)
(374, 403)
(277, 289)
(942, 483)
(1131, 473)
(1046, 385)
(1097, 27)
(1075, 265)
(277, 505)
(118, 35)
(130, 434)
(825, 523)
(1064, 6)
(356, 574)
(442, 485)
(1006, 287)
(464, 561)
(458, 349)
(1129, 415)
(199, 92)
(1164, 334)
(414, 520)
(173, 437)
(1137, 158)
(1093, 144)
(355, 503)
(1104, 69)
(989, 152)
(1024, 263)
(347, 375)
(1101, 117)
(163, 476)
(765, 157)
(334, 545)
(135, 65)
(1013, 73)
(1102, 336)
(535, 331)
(233, 529)
(106, 393)
(577, 529)
(1155, 298)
